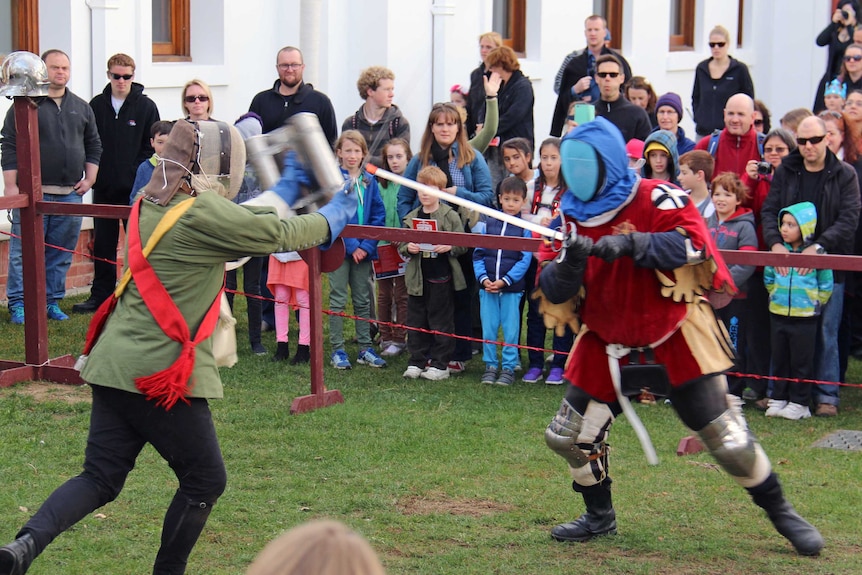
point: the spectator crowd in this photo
(754, 184)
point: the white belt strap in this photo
(615, 352)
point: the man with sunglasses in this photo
(631, 120)
(124, 115)
(812, 173)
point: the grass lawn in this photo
(447, 477)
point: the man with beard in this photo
(290, 95)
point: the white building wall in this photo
(429, 44)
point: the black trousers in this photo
(121, 423)
(793, 342)
(433, 310)
(251, 287)
(106, 235)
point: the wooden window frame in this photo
(684, 41)
(612, 12)
(516, 36)
(25, 25)
(179, 48)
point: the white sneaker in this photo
(412, 372)
(391, 350)
(794, 411)
(774, 406)
(435, 374)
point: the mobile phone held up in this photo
(584, 113)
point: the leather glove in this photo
(292, 177)
(557, 316)
(611, 248)
(338, 212)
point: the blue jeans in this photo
(60, 231)
(826, 355)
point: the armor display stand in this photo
(36, 365)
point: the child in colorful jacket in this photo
(796, 297)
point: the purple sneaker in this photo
(533, 375)
(555, 376)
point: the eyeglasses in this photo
(776, 150)
(829, 114)
(758, 122)
(118, 76)
(813, 139)
(192, 99)
(856, 58)
(607, 74)
(853, 103)
(717, 44)
(290, 66)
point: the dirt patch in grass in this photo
(439, 503)
(41, 392)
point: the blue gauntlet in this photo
(292, 177)
(338, 212)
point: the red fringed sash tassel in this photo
(170, 384)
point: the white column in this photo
(442, 12)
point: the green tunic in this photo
(189, 260)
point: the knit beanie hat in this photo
(670, 99)
(249, 124)
(836, 88)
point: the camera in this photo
(845, 14)
(764, 168)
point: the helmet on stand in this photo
(23, 74)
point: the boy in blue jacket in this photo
(796, 297)
(500, 274)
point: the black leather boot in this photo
(802, 535)
(182, 527)
(303, 355)
(600, 518)
(282, 352)
(16, 557)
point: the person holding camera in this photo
(836, 36)
(758, 179)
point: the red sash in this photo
(170, 384)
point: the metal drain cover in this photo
(846, 439)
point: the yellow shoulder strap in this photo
(166, 223)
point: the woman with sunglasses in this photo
(715, 80)
(758, 179)
(197, 100)
(836, 36)
(851, 69)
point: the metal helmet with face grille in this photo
(23, 74)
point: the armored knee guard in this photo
(735, 448)
(581, 440)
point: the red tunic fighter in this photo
(643, 294)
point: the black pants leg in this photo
(121, 423)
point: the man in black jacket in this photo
(69, 146)
(631, 120)
(813, 173)
(124, 116)
(289, 95)
(575, 81)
